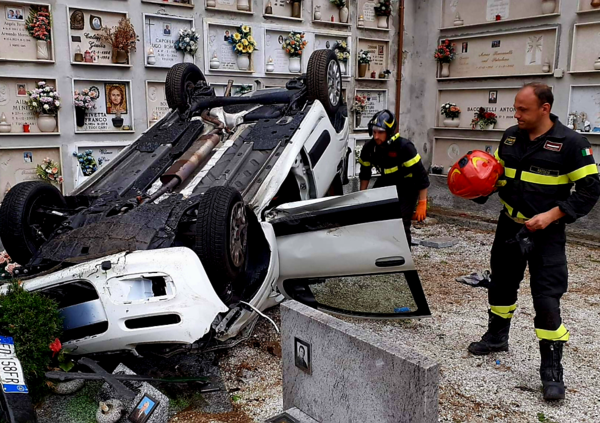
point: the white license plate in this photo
(11, 371)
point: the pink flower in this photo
(54, 170)
(11, 267)
(3, 260)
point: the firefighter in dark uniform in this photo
(543, 160)
(399, 164)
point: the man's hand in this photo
(421, 212)
(542, 220)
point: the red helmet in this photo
(475, 175)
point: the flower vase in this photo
(344, 12)
(117, 122)
(46, 123)
(382, 21)
(296, 9)
(358, 119)
(452, 122)
(243, 62)
(121, 57)
(343, 68)
(295, 66)
(188, 58)
(42, 50)
(445, 73)
(362, 69)
(243, 5)
(211, 3)
(80, 116)
(597, 64)
(548, 6)
(490, 127)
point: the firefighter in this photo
(399, 164)
(543, 160)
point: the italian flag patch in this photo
(586, 152)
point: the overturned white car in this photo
(214, 214)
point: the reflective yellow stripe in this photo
(510, 210)
(582, 172)
(390, 170)
(409, 175)
(498, 158)
(534, 178)
(506, 312)
(560, 334)
(510, 172)
(412, 161)
(395, 137)
(368, 164)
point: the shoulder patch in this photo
(510, 140)
(553, 146)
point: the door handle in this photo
(390, 261)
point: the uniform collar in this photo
(557, 132)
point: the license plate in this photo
(11, 371)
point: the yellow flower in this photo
(237, 36)
(250, 49)
(246, 28)
(250, 38)
(239, 46)
(244, 50)
(245, 42)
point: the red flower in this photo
(55, 347)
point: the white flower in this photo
(57, 103)
(41, 83)
(46, 107)
(34, 104)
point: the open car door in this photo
(348, 255)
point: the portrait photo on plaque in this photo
(116, 98)
(493, 97)
(142, 412)
(95, 22)
(21, 90)
(166, 28)
(14, 14)
(302, 355)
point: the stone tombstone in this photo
(160, 413)
(346, 374)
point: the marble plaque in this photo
(377, 100)
(161, 33)
(15, 41)
(13, 103)
(19, 165)
(156, 101)
(586, 99)
(87, 40)
(586, 47)
(103, 155)
(111, 95)
(511, 54)
(379, 52)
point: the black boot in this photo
(551, 371)
(496, 337)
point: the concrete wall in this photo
(64, 72)
(419, 90)
(355, 376)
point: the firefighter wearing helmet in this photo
(397, 161)
(542, 161)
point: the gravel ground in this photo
(503, 387)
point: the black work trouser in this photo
(547, 267)
(407, 200)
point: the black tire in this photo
(181, 79)
(17, 218)
(214, 242)
(322, 66)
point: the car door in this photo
(348, 255)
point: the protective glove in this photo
(523, 239)
(421, 212)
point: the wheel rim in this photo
(334, 82)
(238, 234)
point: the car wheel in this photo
(222, 237)
(180, 83)
(24, 226)
(324, 80)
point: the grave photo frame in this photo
(144, 409)
(303, 355)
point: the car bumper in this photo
(144, 297)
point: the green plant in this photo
(33, 322)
